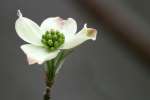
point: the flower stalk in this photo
(49, 79)
(51, 69)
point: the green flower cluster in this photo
(53, 39)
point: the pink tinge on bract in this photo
(33, 61)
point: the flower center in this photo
(52, 40)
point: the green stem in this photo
(50, 71)
(49, 79)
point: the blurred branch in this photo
(121, 21)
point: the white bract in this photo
(32, 33)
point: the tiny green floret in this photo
(52, 39)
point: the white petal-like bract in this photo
(37, 54)
(28, 30)
(67, 27)
(80, 37)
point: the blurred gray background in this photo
(107, 69)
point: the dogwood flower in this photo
(44, 42)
